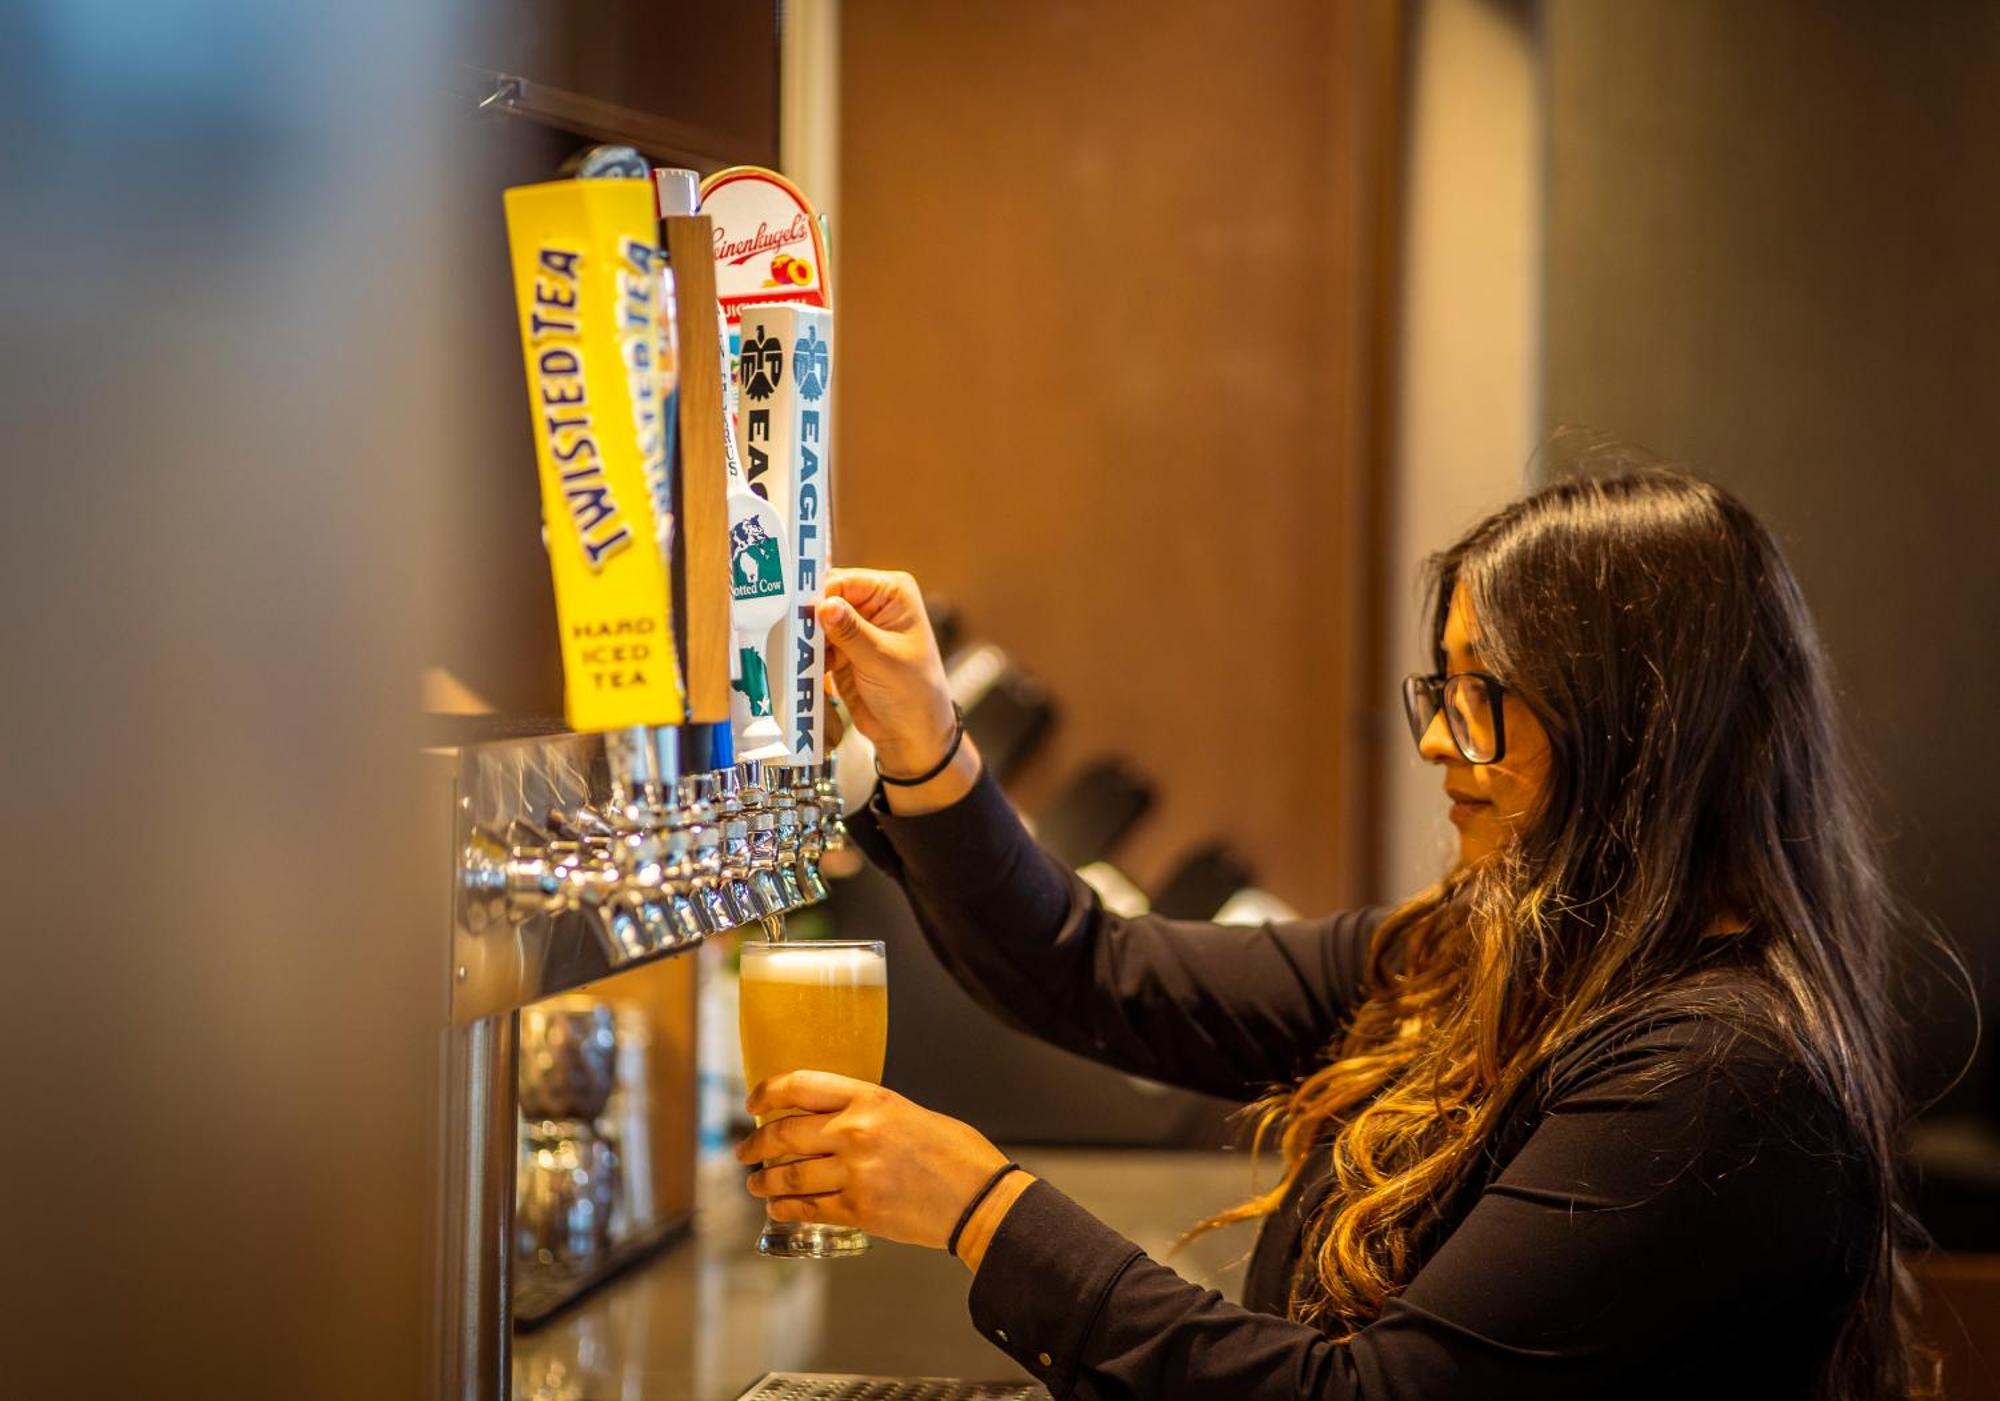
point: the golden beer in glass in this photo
(815, 1005)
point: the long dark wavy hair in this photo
(1700, 777)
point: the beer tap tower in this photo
(636, 835)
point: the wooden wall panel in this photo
(1104, 283)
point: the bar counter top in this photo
(707, 1316)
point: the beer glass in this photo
(814, 1005)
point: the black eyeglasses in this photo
(1470, 701)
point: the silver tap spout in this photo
(501, 883)
(580, 823)
(833, 821)
(643, 892)
(791, 888)
(686, 919)
(785, 812)
(685, 914)
(625, 934)
(763, 845)
(805, 800)
(523, 835)
(811, 882)
(697, 819)
(768, 863)
(747, 903)
(645, 765)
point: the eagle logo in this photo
(809, 364)
(762, 365)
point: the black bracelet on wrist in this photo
(950, 753)
(965, 1216)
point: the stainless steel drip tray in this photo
(826, 1386)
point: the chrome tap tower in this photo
(580, 856)
(636, 835)
(658, 859)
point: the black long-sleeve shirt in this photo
(1670, 1213)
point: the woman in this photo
(1606, 1112)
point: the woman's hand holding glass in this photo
(868, 1157)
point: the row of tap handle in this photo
(664, 863)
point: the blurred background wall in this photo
(1107, 280)
(1467, 356)
(1772, 233)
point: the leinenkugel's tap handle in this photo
(771, 281)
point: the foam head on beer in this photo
(812, 1006)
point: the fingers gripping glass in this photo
(1470, 701)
